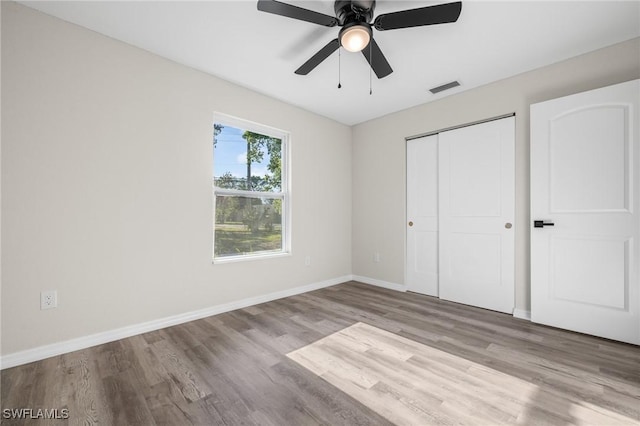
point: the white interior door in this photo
(584, 179)
(476, 213)
(422, 215)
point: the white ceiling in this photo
(490, 41)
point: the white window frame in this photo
(284, 194)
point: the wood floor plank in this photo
(181, 370)
(465, 366)
(83, 390)
(147, 361)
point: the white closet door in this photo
(476, 214)
(422, 215)
(585, 169)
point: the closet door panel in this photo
(476, 212)
(422, 215)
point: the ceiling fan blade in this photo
(430, 15)
(379, 63)
(295, 12)
(316, 59)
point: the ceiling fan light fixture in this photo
(355, 38)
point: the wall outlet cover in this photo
(48, 299)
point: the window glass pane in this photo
(246, 160)
(247, 225)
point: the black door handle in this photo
(541, 224)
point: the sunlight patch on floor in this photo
(410, 383)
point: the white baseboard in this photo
(517, 313)
(522, 314)
(379, 283)
(42, 352)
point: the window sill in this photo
(249, 257)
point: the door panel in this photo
(474, 258)
(474, 173)
(584, 179)
(422, 213)
(581, 264)
(476, 179)
(588, 160)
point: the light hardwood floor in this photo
(275, 364)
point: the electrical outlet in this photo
(376, 257)
(48, 299)
(307, 261)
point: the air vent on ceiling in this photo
(444, 87)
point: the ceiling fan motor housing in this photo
(354, 11)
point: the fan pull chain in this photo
(371, 67)
(339, 56)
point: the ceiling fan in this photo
(355, 18)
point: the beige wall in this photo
(379, 154)
(106, 186)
